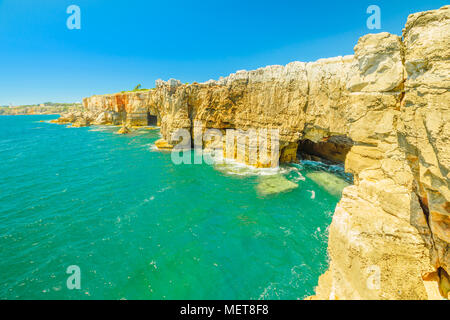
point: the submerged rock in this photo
(329, 182)
(275, 184)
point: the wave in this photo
(232, 167)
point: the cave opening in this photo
(326, 159)
(152, 120)
(331, 150)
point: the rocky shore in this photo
(42, 109)
(384, 112)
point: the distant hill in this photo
(44, 108)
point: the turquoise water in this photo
(140, 227)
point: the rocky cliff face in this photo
(424, 131)
(385, 110)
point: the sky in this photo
(124, 43)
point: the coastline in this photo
(388, 104)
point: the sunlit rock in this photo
(391, 100)
(163, 145)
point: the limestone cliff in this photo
(385, 111)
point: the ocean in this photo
(140, 227)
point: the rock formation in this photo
(123, 130)
(384, 111)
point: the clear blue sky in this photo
(123, 43)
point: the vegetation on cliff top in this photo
(137, 89)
